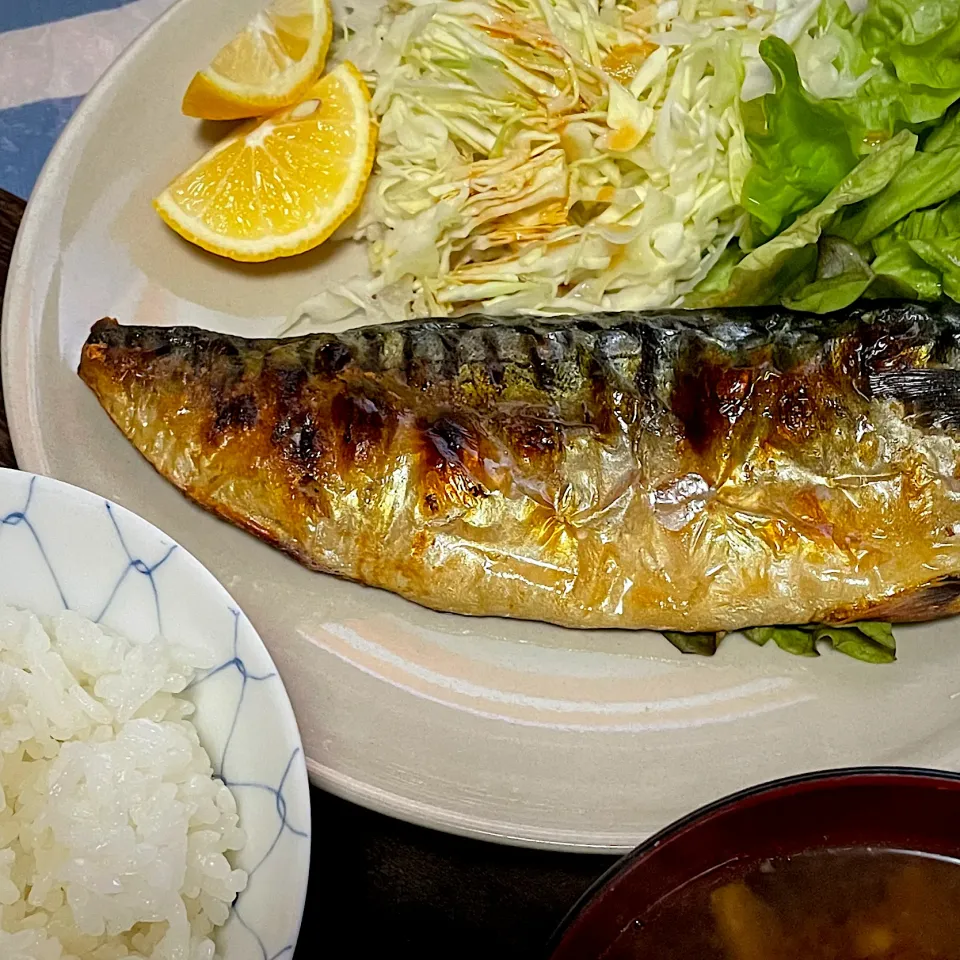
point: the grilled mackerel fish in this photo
(692, 471)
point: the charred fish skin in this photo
(681, 470)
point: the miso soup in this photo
(824, 905)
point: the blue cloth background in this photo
(49, 48)
(17, 14)
(27, 135)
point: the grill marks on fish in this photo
(678, 377)
(236, 411)
(364, 427)
(453, 473)
(479, 431)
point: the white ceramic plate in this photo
(514, 731)
(64, 548)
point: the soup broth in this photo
(824, 905)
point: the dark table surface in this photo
(378, 884)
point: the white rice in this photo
(113, 830)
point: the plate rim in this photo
(502, 832)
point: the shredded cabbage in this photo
(558, 156)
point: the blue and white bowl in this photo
(65, 548)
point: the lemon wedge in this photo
(270, 64)
(280, 186)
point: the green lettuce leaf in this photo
(919, 256)
(907, 21)
(878, 632)
(946, 135)
(925, 180)
(842, 276)
(899, 272)
(885, 105)
(939, 221)
(799, 641)
(718, 278)
(800, 148)
(702, 644)
(829, 295)
(764, 273)
(872, 645)
(943, 255)
(870, 641)
(921, 41)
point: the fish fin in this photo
(931, 395)
(929, 601)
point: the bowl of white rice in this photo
(154, 800)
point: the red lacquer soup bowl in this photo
(866, 809)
